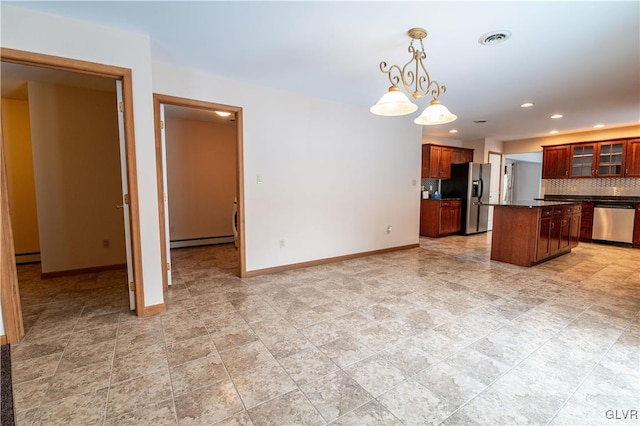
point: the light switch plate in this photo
(259, 179)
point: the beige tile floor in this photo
(436, 334)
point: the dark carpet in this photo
(6, 392)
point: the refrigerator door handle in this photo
(481, 189)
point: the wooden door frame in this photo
(159, 99)
(12, 314)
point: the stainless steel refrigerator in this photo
(471, 182)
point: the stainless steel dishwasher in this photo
(613, 222)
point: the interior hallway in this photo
(436, 334)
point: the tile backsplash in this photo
(434, 183)
(622, 187)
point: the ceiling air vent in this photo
(494, 37)
(479, 121)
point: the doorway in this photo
(217, 220)
(11, 307)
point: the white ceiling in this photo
(580, 59)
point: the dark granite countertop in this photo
(440, 199)
(595, 198)
(531, 203)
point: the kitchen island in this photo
(529, 232)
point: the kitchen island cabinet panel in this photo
(529, 234)
(516, 248)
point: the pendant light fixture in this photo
(416, 81)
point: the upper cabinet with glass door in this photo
(614, 158)
(598, 159)
(610, 159)
(583, 160)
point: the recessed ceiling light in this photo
(553, 132)
(494, 37)
(453, 131)
(527, 104)
(598, 126)
(556, 116)
(223, 113)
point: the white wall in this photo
(334, 176)
(38, 32)
(201, 178)
(526, 180)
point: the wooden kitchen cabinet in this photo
(586, 222)
(555, 162)
(526, 235)
(547, 233)
(636, 228)
(583, 160)
(611, 158)
(559, 230)
(554, 235)
(632, 160)
(440, 217)
(564, 218)
(462, 155)
(436, 161)
(576, 224)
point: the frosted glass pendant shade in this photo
(393, 103)
(436, 113)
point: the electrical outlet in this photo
(281, 243)
(106, 243)
(413, 182)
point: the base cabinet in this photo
(554, 232)
(526, 236)
(576, 225)
(440, 217)
(586, 223)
